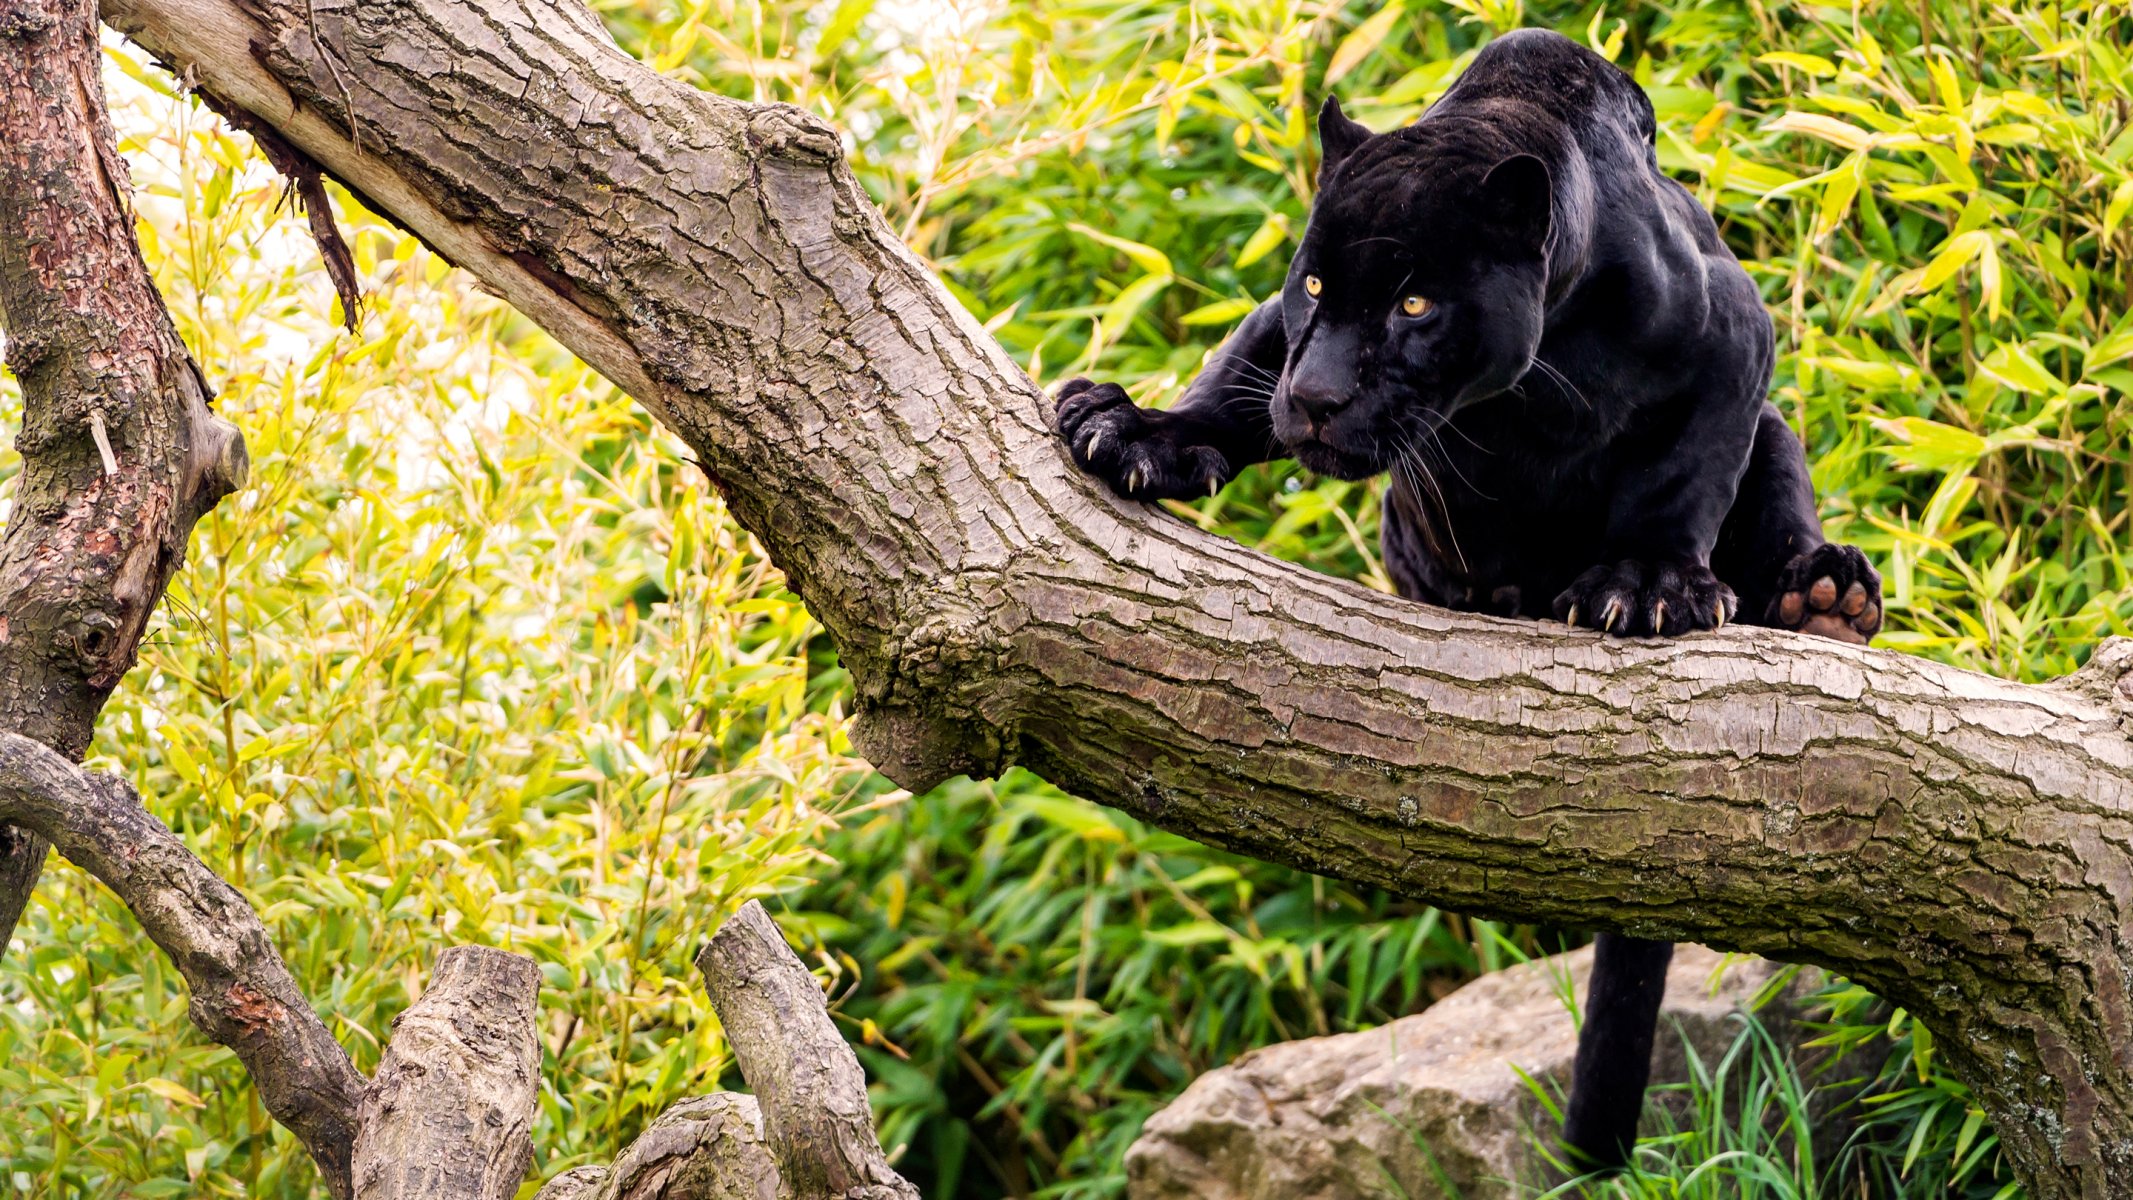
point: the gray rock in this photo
(1431, 1100)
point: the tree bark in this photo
(708, 1148)
(242, 995)
(120, 453)
(807, 1081)
(449, 1115)
(1961, 844)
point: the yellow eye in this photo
(1414, 306)
(1312, 286)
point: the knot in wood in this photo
(26, 347)
(793, 133)
(92, 637)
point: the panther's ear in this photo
(1337, 137)
(1516, 195)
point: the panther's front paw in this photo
(1638, 599)
(1141, 453)
(1831, 591)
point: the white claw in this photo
(1611, 614)
(1214, 484)
(1572, 619)
(1088, 448)
(1718, 615)
(1658, 616)
(1133, 480)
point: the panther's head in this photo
(1418, 288)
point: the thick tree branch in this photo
(1957, 842)
(808, 1083)
(449, 1115)
(242, 994)
(120, 453)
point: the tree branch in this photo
(1959, 843)
(449, 1114)
(708, 1148)
(242, 995)
(807, 1081)
(92, 541)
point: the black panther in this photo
(1542, 340)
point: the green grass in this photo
(1749, 1121)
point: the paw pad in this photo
(1831, 591)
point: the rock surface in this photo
(1349, 1117)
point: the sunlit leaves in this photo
(476, 657)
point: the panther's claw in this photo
(1141, 453)
(1646, 598)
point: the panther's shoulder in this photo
(1547, 71)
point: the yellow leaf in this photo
(1953, 257)
(1362, 40)
(1221, 312)
(1838, 194)
(1708, 123)
(174, 1093)
(1810, 64)
(1612, 45)
(1829, 129)
(1271, 233)
(1946, 82)
(1144, 256)
(1988, 278)
(2115, 211)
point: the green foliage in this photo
(1748, 1124)
(1933, 200)
(475, 658)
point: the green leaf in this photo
(2012, 364)
(1925, 445)
(2111, 347)
(1190, 933)
(1078, 817)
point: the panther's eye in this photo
(1312, 286)
(1415, 306)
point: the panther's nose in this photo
(1315, 401)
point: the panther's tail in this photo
(1615, 1050)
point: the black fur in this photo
(1574, 425)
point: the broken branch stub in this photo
(809, 1084)
(449, 1115)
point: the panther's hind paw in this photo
(1831, 591)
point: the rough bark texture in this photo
(807, 1081)
(120, 454)
(449, 1115)
(1959, 843)
(708, 1148)
(242, 994)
